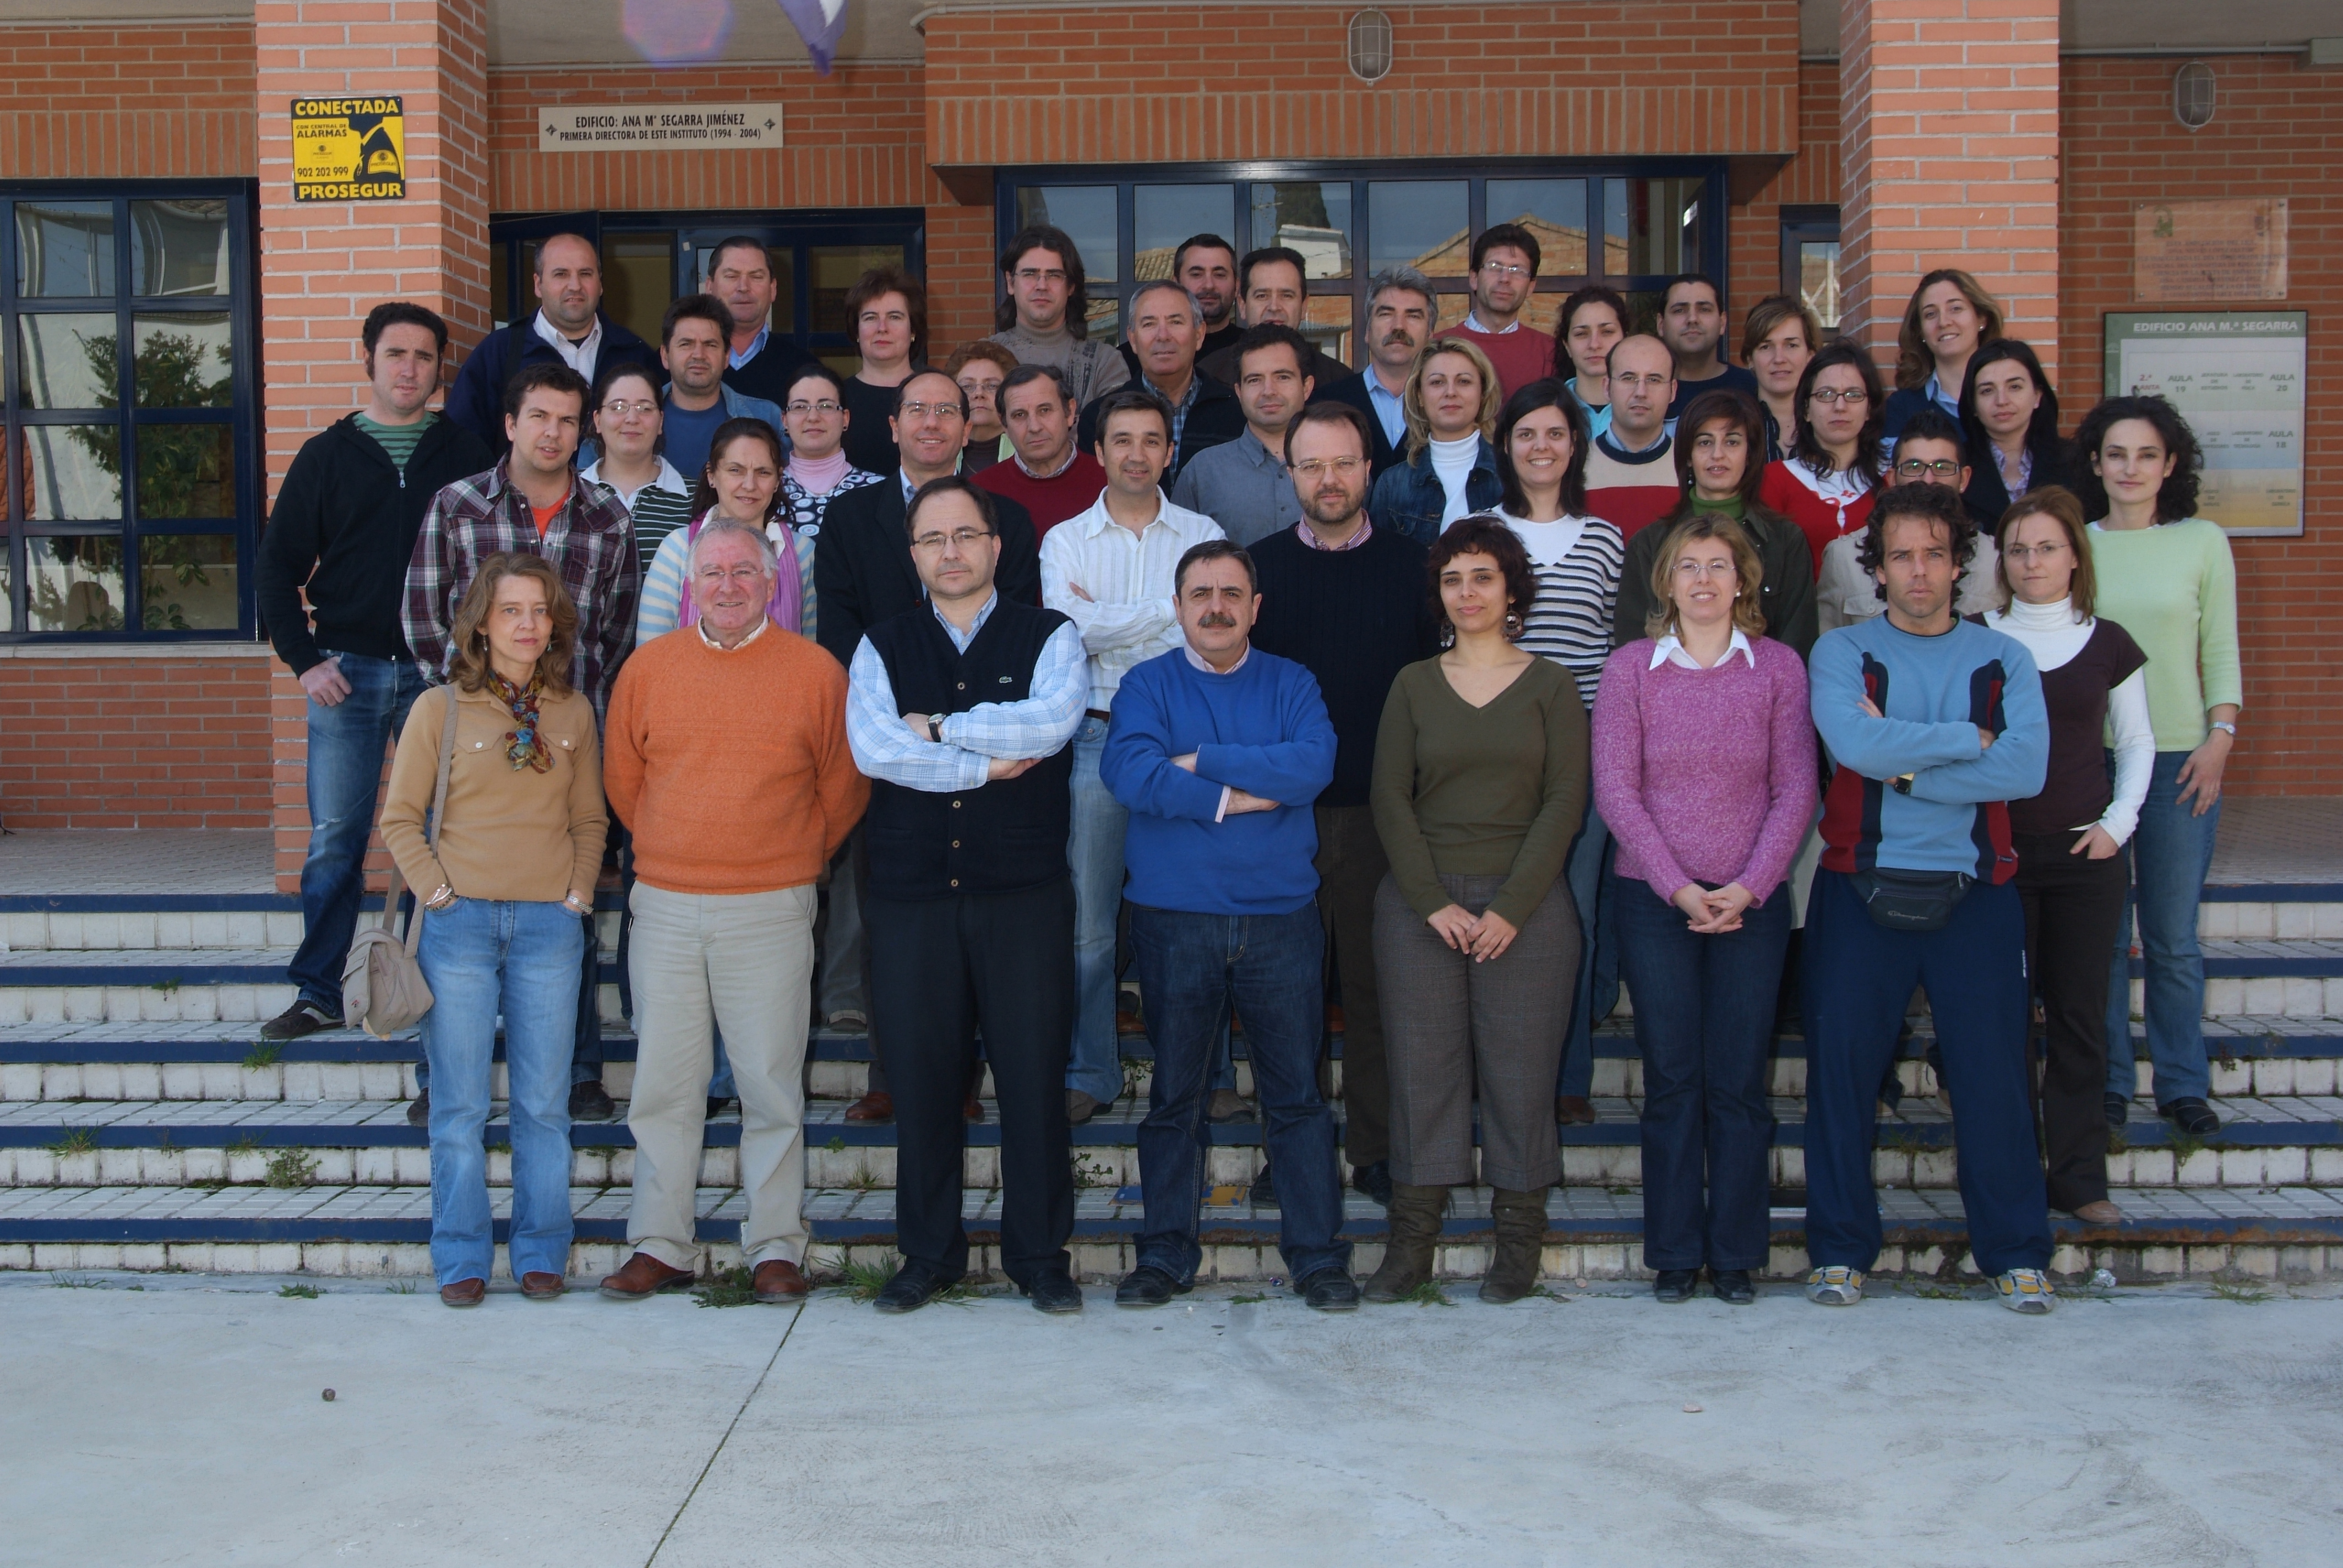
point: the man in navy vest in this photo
(962, 711)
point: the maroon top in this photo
(2079, 784)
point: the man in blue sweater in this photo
(1932, 724)
(1216, 750)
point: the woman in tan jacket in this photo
(516, 852)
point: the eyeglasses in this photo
(959, 539)
(1504, 269)
(820, 406)
(1941, 468)
(628, 410)
(922, 410)
(1689, 568)
(1316, 469)
(715, 575)
(1030, 275)
(1855, 396)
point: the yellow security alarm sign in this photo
(350, 149)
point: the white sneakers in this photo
(2027, 1290)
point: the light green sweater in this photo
(2174, 587)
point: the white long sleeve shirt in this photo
(1129, 616)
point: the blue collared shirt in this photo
(756, 347)
(1389, 407)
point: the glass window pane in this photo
(1554, 211)
(1818, 280)
(71, 473)
(178, 247)
(1311, 217)
(74, 583)
(1163, 216)
(186, 582)
(1087, 214)
(7, 596)
(1614, 230)
(1327, 322)
(67, 362)
(183, 361)
(187, 471)
(65, 249)
(500, 301)
(1418, 224)
(639, 279)
(1662, 220)
(835, 270)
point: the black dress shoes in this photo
(914, 1286)
(1148, 1286)
(1732, 1286)
(1329, 1290)
(1674, 1285)
(1055, 1292)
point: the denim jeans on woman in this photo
(1588, 874)
(346, 742)
(2170, 854)
(483, 958)
(1094, 851)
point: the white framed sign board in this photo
(2238, 377)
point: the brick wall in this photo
(132, 740)
(2274, 133)
(122, 100)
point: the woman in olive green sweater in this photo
(1480, 780)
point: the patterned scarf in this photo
(523, 744)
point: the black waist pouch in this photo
(1911, 900)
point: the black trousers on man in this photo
(942, 970)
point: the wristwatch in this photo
(935, 730)
(2224, 724)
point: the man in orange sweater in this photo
(726, 759)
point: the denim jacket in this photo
(1409, 498)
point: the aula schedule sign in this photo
(2237, 377)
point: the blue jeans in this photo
(1588, 872)
(1704, 1036)
(1094, 851)
(1192, 968)
(2170, 854)
(482, 959)
(346, 742)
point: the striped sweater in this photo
(1577, 562)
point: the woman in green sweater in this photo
(1480, 780)
(2166, 576)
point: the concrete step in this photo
(2280, 1232)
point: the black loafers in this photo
(1329, 1290)
(2192, 1116)
(2118, 1109)
(1732, 1286)
(914, 1286)
(1148, 1286)
(1055, 1292)
(1373, 1180)
(1674, 1285)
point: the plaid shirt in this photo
(591, 542)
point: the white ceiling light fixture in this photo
(1370, 46)
(2192, 94)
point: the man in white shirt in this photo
(568, 327)
(1401, 310)
(1110, 570)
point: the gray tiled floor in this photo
(2292, 838)
(142, 860)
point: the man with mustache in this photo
(1401, 310)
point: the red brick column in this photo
(1948, 114)
(324, 264)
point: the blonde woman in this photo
(1949, 316)
(502, 883)
(1451, 472)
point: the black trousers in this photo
(941, 969)
(2073, 905)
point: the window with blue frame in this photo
(127, 355)
(1631, 225)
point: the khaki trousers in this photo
(744, 963)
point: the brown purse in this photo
(383, 989)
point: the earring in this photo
(1447, 634)
(1514, 623)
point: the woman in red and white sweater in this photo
(1826, 485)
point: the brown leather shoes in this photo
(464, 1294)
(876, 1106)
(1574, 1111)
(539, 1286)
(779, 1283)
(644, 1276)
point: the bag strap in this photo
(431, 831)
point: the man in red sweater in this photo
(1046, 474)
(727, 759)
(1505, 275)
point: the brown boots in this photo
(1415, 1214)
(1520, 1219)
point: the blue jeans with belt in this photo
(2171, 854)
(346, 742)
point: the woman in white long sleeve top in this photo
(2070, 874)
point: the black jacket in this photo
(863, 572)
(768, 374)
(344, 528)
(1220, 365)
(1352, 389)
(1988, 497)
(1216, 417)
(478, 402)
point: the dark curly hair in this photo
(1875, 410)
(1043, 236)
(1938, 503)
(1482, 535)
(2175, 501)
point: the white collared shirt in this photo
(1129, 616)
(666, 478)
(1671, 652)
(1472, 324)
(754, 633)
(579, 357)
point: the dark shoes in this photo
(2192, 1116)
(589, 1101)
(1081, 1107)
(464, 1294)
(914, 1286)
(2118, 1110)
(1415, 1239)
(716, 1104)
(644, 1277)
(1574, 1111)
(301, 1019)
(1329, 1290)
(1148, 1286)
(876, 1106)
(1732, 1286)
(539, 1286)
(1674, 1285)
(778, 1283)
(1373, 1181)
(418, 1110)
(1263, 1191)
(1519, 1219)
(1227, 1105)
(1055, 1292)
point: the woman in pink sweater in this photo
(1705, 768)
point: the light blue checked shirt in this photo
(1039, 726)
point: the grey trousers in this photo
(744, 961)
(1448, 1021)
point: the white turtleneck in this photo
(2053, 634)
(1452, 462)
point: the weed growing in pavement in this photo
(1095, 1173)
(726, 1288)
(247, 1144)
(1245, 1301)
(299, 1292)
(1428, 1294)
(864, 1280)
(267, 1053)
(75, 1140)
(2185, 1145)
(75, 1282)
(2237, 1288)
(864, 1180)
(836, 1145)
(290, 1168)
(400, 1288)
(168, 987)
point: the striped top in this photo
(1577, 562)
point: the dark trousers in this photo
(1704, 1023)
(944, 969)
(1860, 979)
(2073, 908)
(1350, 866)
(1192, 969)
